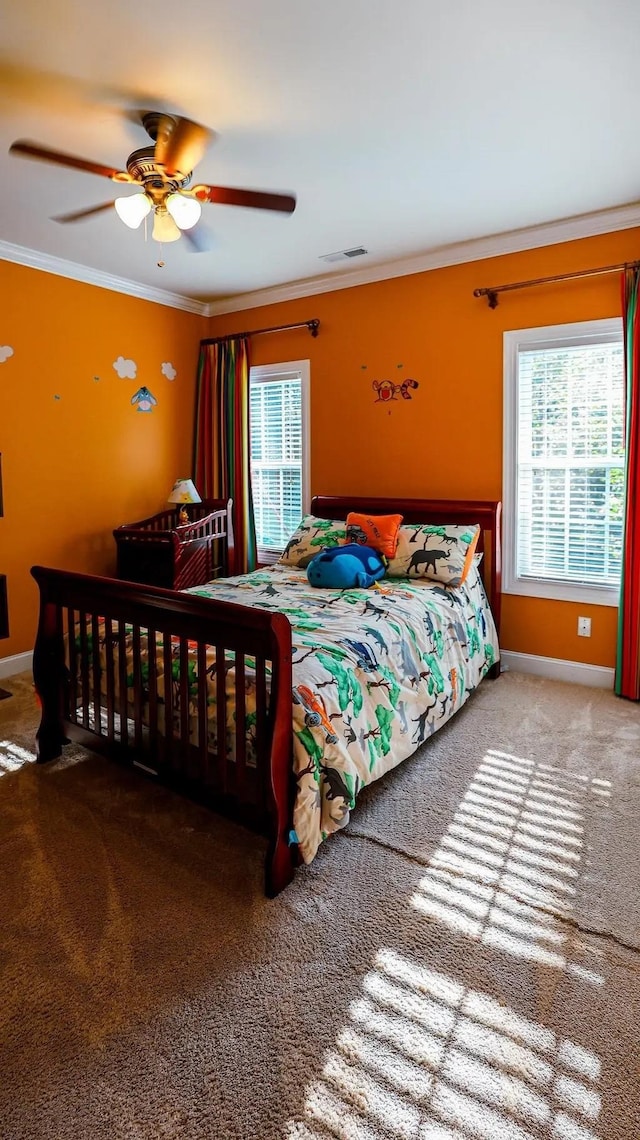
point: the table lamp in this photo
(183, 491)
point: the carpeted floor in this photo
(460, 963)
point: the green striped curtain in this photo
(221, 438)
(627, 682)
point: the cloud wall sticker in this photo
(126, 369)
(168, 370)
(5, 352)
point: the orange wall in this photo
(78, 458)
(446, 441)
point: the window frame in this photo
(579, 332)
(289, 369)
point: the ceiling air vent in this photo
(344, 254)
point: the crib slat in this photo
(203, 709)
(184, 697)
(152, 661)
(167, 669)
(73, 664)
(122, 683)
(221, 720)
(84, 668)
(96, 671)
(240, 727)
(137, 687)
(110, 679)
(262, 761)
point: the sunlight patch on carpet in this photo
(506, 868)
(12, 756)
(426, 1057)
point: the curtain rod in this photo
(491, 291)
(313, 326)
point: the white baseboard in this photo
(598, 676)
(19, 663)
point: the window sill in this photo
(563, 592)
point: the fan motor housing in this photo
(143, 168)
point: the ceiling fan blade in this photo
(79, 215)
(257, 199)
(26, 149)
(180, 144)
(199, 239)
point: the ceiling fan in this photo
(163, 172)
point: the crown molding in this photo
(61, 268)
(477, 249)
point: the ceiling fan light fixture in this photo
(132, 209)
(184, 211)
(164, 227)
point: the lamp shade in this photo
(183, 491)
(184, 211)
(132, 209)
(164, 227)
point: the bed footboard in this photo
(192, 691)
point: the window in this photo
(564, 461)
(279, 446)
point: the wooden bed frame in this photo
(69, 678)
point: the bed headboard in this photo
(457, 512)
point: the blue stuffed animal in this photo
(344, 567)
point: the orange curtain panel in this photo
(221, 443)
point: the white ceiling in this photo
(401, 126)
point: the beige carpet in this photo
(460, 963)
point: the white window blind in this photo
(278, 447)
(567, 477)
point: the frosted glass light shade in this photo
(184, 211)
(164, 227)
(132, 209)
(183, 491)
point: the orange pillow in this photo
(378, 531)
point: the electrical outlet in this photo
(584, 627)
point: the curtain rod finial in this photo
(490, 294)
(313, 326)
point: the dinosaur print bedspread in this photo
(375, 673)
